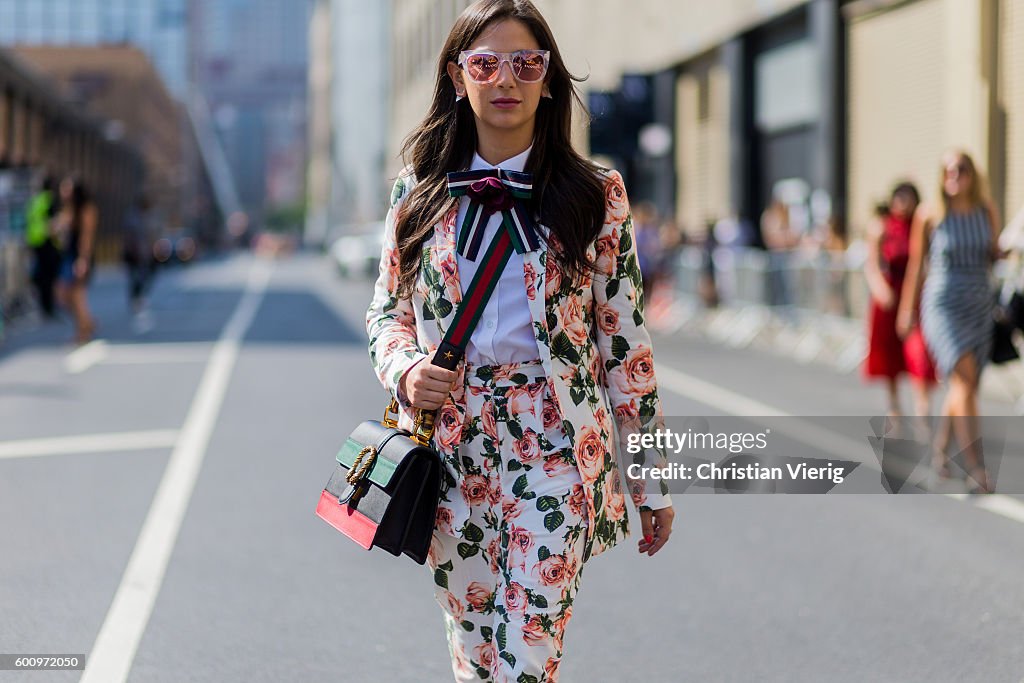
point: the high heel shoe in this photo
(940, 463)
(981, 482)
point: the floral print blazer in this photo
(595, 349)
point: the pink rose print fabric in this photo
(506, 579)
(593, 345)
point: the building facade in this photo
(119, 85)
(348, 184)
(418, 31)
(158, 27)
(319, 130)
(712, 109)
(249, 61)
(952, 75)
(41, 132)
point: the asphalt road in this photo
(157, 493)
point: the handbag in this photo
(1007, 316)
(386, 485)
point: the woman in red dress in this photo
(889, 356)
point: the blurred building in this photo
(319, 133)
(158, 27)
(249, 60)
(40, 133)
(53, 30)
(951, 73)
(350, 114)
(418, 33)
(119, 85)
(714, 107)
(711, 108)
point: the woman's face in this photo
(957, 175)
(504, 105)
(67, 186)
(903, 205)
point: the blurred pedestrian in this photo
(890, 355)
(648, 243)
(534, 491)
(137, 253)
(707, 283)
(959, 238)
(39, 237)
(780, 239)
(833, 251)
(76, 225)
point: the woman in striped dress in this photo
(959, 239)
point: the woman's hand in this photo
(80, 268)
(885, 297)
(427, 385)
(657, 527)
(905, 322)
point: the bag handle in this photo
(423, 431)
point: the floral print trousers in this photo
(506, 579)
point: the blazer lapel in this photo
(534, 277)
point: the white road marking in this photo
(713, 395)
(716, 397)
(113, 652)
(158, 360)
(100, 351)
(742, 406)
(1002, 505)
(85, 356)
(153, 354)
(89, 443)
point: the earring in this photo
(459, 97)
(546, 93)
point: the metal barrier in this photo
(823, 282)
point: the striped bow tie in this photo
(491, 191)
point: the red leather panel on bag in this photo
(352, 523)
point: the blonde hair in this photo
(978, 191)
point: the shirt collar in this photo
(516, 163)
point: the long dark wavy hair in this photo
(568, 194)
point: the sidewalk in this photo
(807, 337)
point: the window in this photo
(786, 87)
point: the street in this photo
(157, 490)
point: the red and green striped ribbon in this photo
(467, 315)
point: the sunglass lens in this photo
(529, 66)
(482, 66)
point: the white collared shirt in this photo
(504, 333)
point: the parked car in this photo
(358, 254)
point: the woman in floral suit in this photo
(558, 356)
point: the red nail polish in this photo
(648, 538)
